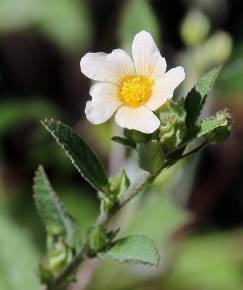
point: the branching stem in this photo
(104, 219)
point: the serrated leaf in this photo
(119, 183)
(57, 220)
(215, 129)
(81, 155)
(133, 249)
(150, 156)
(196, 98)
(124, 141)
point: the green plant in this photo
(179, 129)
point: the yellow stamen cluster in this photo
(135, 90)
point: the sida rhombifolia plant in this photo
(139, 92)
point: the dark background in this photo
(40, 77)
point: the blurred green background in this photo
(194, 212)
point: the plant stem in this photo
(104, 218)
(60, 279)
(137, 188)
(195, 150)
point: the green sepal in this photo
(196, 98)
(44, 272)
(124, 141)
(97, 239)
(136, 136)
(81, 155)
(119, 184)
(172, 127)
(59, 255)
(215, 129)
(58, 222)
(150, 156)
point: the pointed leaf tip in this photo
(57, 220)
(80, 154)
(196, 98)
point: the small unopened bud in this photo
(195, 27)
(218, 47)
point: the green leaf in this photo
(57, 220)
(195, 100)
(215, 129)
(133, 249)
(14, 113)
(119, 183)
(18, 255)
(172, 126)
(136, 136)
(136, 16)
(124, 141)
(150, 156)
(82, 157)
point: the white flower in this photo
(131, 88)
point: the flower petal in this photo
(164, 88)
(140, 119)
(104, 103)
(147, 58)
(105, 67)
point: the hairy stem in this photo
(195, 150)
(104, 218)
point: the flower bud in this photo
(195, 28)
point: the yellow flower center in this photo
(135, 90)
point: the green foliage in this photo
(133, 249)
(136, 136)
(58, 256)
(155, 151)
(62, 233)
(57, 220)
(196, 98)
(136, 16)
(13, 112)
(204, 254)
(124, 141)
(55, 22)
(150, 156)
(79, 153)
(172, 127)
(119, 184)
(215, 129)
(97, 239)
(18, 256)
(51, 18)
